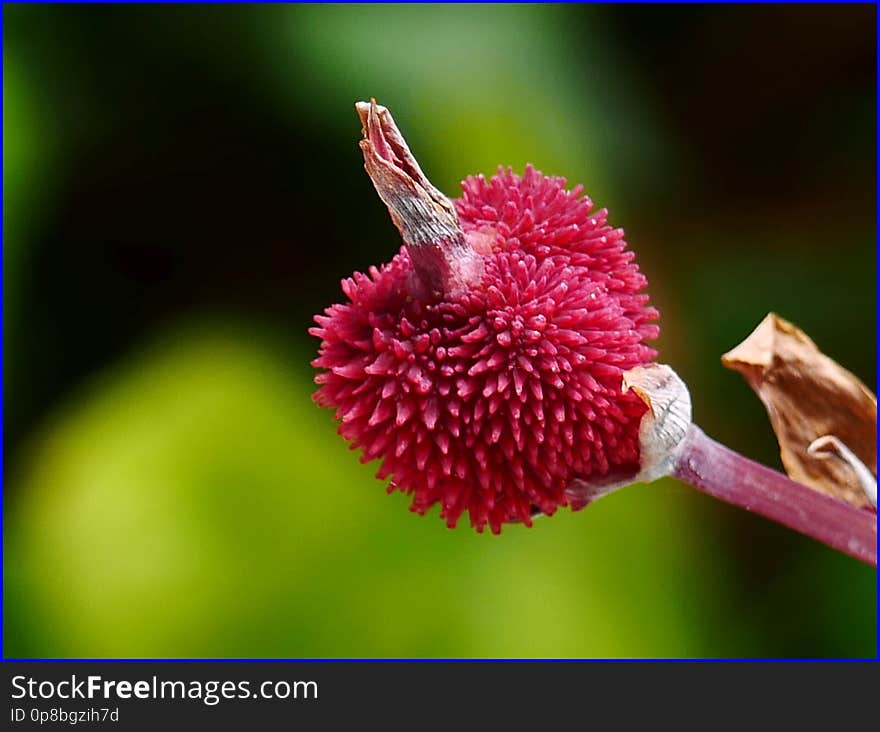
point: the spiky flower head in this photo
(482, 365)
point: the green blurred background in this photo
(183, 190)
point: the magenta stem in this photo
(719, 471)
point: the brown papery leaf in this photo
(809, 395)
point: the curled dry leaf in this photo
(828, 446)
(808, 395)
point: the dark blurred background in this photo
(183, 190)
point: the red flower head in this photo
(483, 364)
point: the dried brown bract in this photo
(808, 395)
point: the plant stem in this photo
(725, 474)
